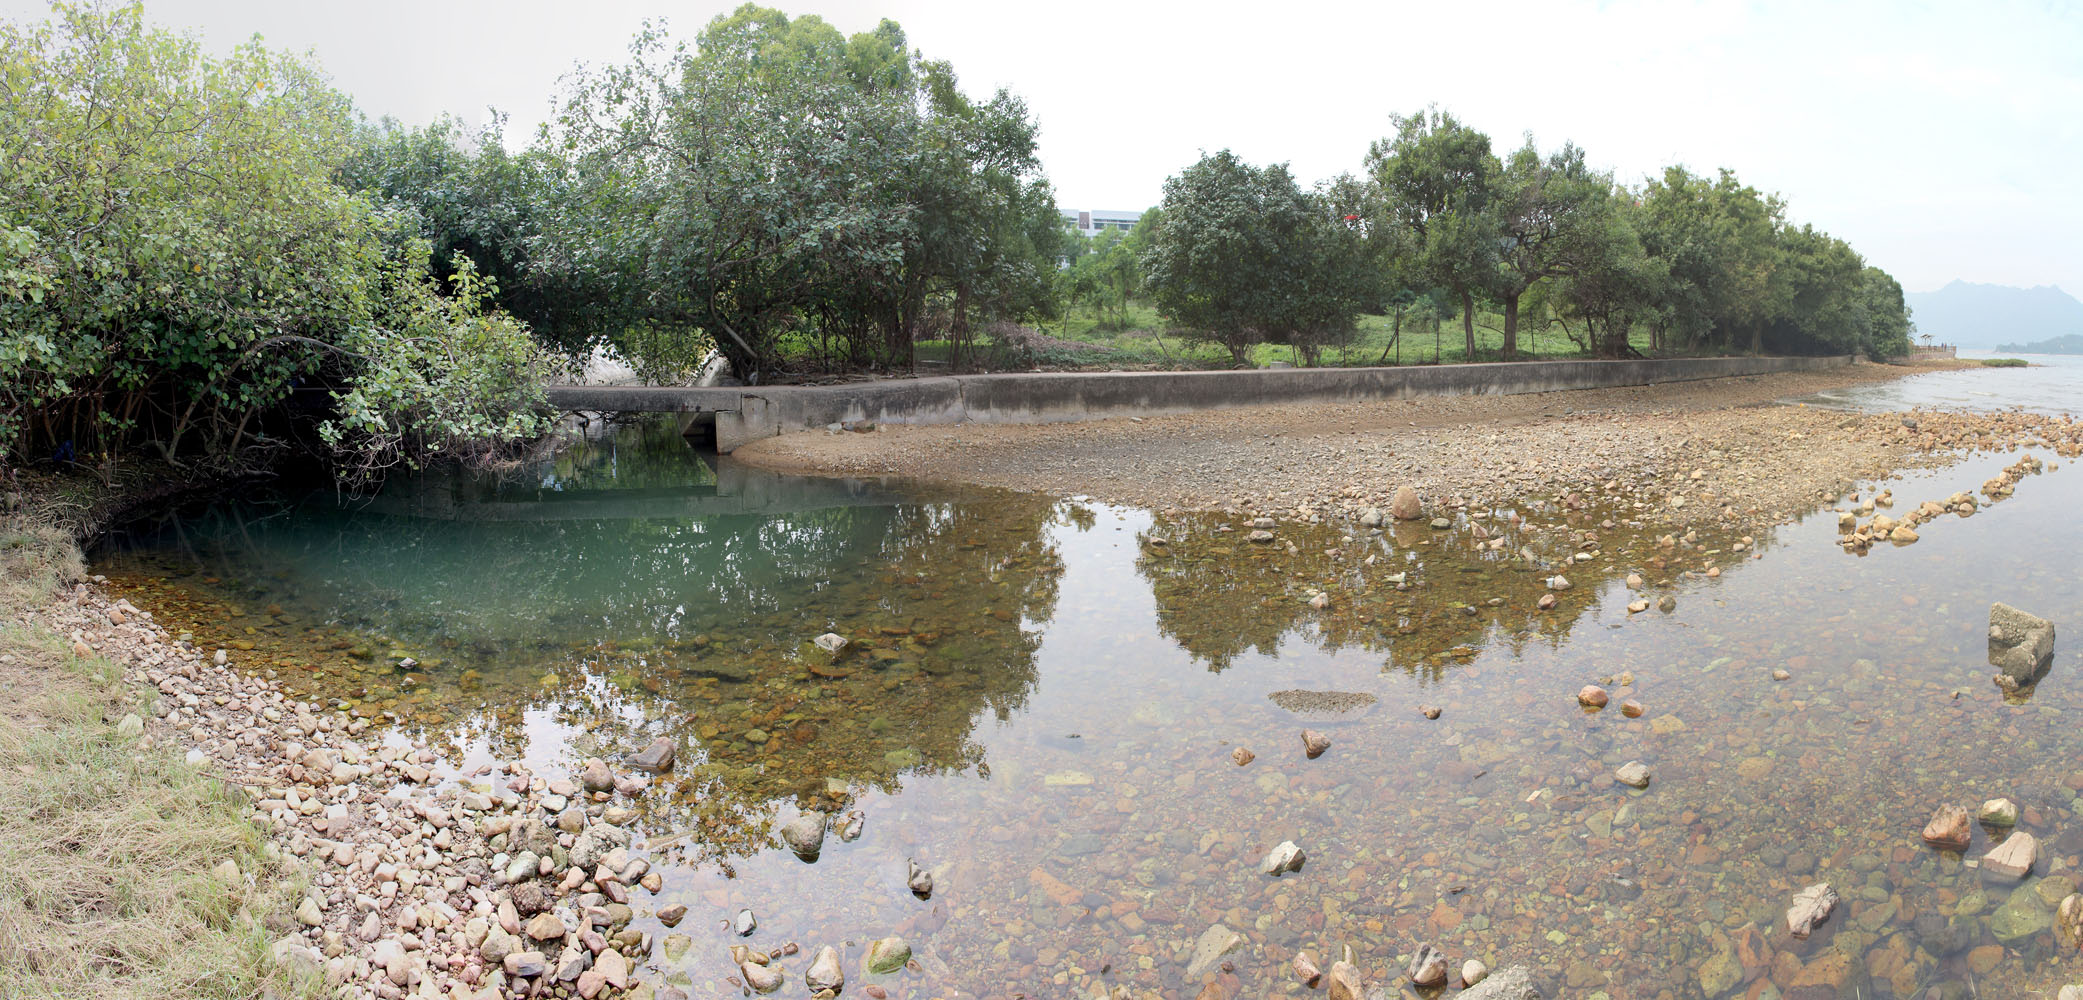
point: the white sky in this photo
(1940, 139)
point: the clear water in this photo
(1044, 702)
(2053, 385)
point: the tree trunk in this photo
(1468, 321)
(1511, 327)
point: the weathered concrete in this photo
(753, 412)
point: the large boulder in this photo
(2020, 644)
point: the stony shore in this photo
(1715, 442)
(507, 883)
(422, 884)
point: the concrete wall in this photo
(1062, 396)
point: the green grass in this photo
(2004, 363)
(1146, 341)
(113, 875)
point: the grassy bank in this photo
(124, 871)
(1140, 338)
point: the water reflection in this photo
(557, 613)
(1043, 700)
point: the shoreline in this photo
(415, 893)
(1723, 442)
(416, 877)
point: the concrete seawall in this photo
(753, 412)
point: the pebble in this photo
(1633, 773)
(805, 835)
(1283, 859)
(825, 973)
(918, 880)
(1592, 696)
(887, 955)
(1242, 756)
(1314, 743)
(1343, 982)
(1428, 967)
(1812, 906)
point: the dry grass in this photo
(36, 558)
(111, 852)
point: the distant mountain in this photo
(1983, 316)
(2071, 344)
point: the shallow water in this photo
(2053, 385)
(1044, 699)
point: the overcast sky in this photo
(1941, 140)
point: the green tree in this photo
(177, 256)
(1243, 256)
(469, 196)
(1550, 215)
(1437, 178)
(778, 180)
(1719, 240)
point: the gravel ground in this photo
(1752, 458)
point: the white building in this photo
(1093, 222)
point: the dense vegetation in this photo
(175, 259)
(1439, 221)
(188, 240)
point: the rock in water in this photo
(1950, 829)
(764, 978)
(920, 881)
(1428, 967)
(1343, 982)
(888, 955)
(1283, 859)
(745, 924)
(1242, 756)
(657, 756)
(1634, 773)
(825, 973)
(805, 835)
(2068, 920)
(831, 642)
(1305, 968)
(2014, 857)
(1592, 696)
(1314, 743)
(1213, 943)
(1473, 972)
(1513, 983)
(1811, 907)
(1405, 507)
(2020, 644)
(1998, 812)
(596, 777)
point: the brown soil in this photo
(1754, 457)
